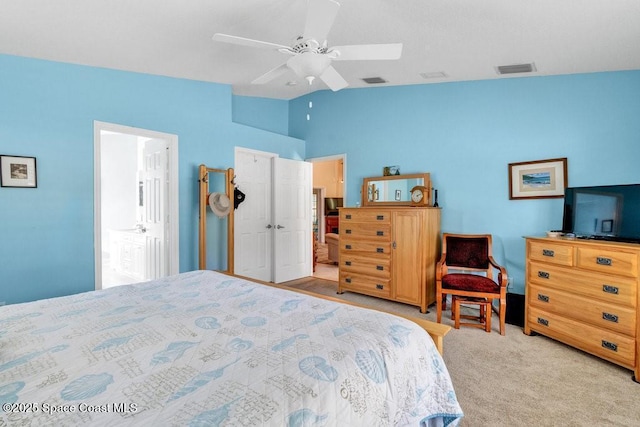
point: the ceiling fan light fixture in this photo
(309, 64)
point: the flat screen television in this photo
(331, 205)
(607, 212)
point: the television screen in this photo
(331, 205)
(610, 212)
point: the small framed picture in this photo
(390, 170)
(18, 171)
(607, 226)
(538, 179)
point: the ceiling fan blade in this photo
(320, 17)
(272, 74)
(366, 52)
(225, 38)
(333, 79)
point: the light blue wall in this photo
(262, 113)
(466, 134)
(47, 110)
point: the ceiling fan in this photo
(310, 55)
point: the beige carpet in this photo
(520, 380)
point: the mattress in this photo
(206, 349)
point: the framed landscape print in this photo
(18, 171)
(538, 179)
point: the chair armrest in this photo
(503, 278)
(440, 264)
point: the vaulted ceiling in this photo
(443, 40)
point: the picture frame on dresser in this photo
(18, 171)
(538, 179)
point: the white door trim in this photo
(174, 242)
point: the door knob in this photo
(280, 226)
(269, 226)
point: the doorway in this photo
(136, 204)
(329, 176)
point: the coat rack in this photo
(203, 179)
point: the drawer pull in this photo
(348, 280)
(381, 287)
(548, 252)
(609, 345)
(347, 231)
(610, 317)
(380, 217)
(380, 250)
(348, 216)
(543, 274)
(379, 267)
(347, 263)
(347, 246)
(603, 261)
(543, 322)
(379, 233)
(543, 298)
(610, 289)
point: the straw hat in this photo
(219, 204)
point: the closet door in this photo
(293, 188)
(253, 236)
(273, 226)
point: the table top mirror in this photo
(393, 190)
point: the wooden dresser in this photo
(584, 293)
(390, 252)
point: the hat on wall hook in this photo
(219, 204)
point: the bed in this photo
(207, 349)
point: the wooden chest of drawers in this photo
(585, 294)
(390, 253)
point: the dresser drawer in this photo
(350, 263)
(609, 345)
(597, 313)
(368, 248)
(613, 289)
(365, 230)
(551, 252)
(608, 261)
(365, 215)
(362, 283)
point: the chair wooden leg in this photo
(453, 306)
(503, 315)
(487, 320)
(439, 307)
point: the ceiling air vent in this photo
(516, 69)
(434, 75)
(374, 80)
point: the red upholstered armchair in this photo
(470, 255)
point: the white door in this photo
(293, 223)
(278, 193)
(253, 238)
(154, 217)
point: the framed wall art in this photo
(538, 179)
(18, 171)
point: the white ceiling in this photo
(465, 39)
